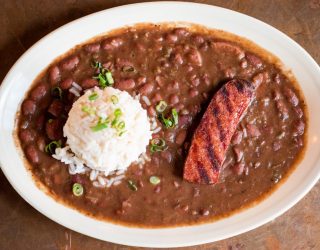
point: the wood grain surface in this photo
(22, 23)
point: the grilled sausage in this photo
(217, 126)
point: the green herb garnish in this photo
(114, 99)
(171, 121)
(94, 96)
(51, 147)
(162, 105)
(117, 112)
(154, 180)
(100, 126)
(88, 110)
(57, 92)
(132, 185)
(121, 125)
(158, 145)
(77, 189)
(104, 76)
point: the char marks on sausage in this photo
(213, 135)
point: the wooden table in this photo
(22, 23)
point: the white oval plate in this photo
(18, 81)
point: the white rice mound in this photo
(105, 150)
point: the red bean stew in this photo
(183, 67)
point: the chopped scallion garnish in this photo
(88, 110)
(117, 112)
(51, 147)
(114, 99)
(77, 189)
(171, 121)
(121, 125)
(109, 78)
(94, 96)
(158, 145)
(104, 76)
(162, 105)
(154, 180)
(132, 185)
(100, 126)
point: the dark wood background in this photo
(22, 23)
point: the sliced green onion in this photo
(154, 180)
(122, 132)
(162, 105)
(114, 99)
(88, 110)
(57, 92)
(121, 125)
(158, 145)
(132, 185)
(109, 78)
(117, 112)
(94, 96)
(100, 126)
(171, 121)
(51, 147)
(77, 189)
(175, 117)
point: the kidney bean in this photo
(254, 60)
(40, 122)
(173, 99)
(166, 155)
(125, 84)
(27, 135)
(122, 62)
(70, 63)
(276, 146)
(66, 84)
(229, 72)
(28, 107)
(32, 154)
(181, 32)
(299, 112)
(176, 58)
(184, 120)
(181, 136)
(41, 143)
(38, 92)
(230, 48)
(169, 136)
(54, 75)
(112, 43)
(237, 137)
(258, 79)
(277, 79)
(179, 107)
(56, 108)
(195, 81)
(244, 64)
(157, 189)
(54, 129)
(283, 110)
(146, 89)
(238, 152)
(141, 80)
(157, 98)
(151, 111)
(171, 38)
(89, 83)
(238, 168)
(195, 57)
(299, 128)
(291, 96)
(92, 48)
(253, 130)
